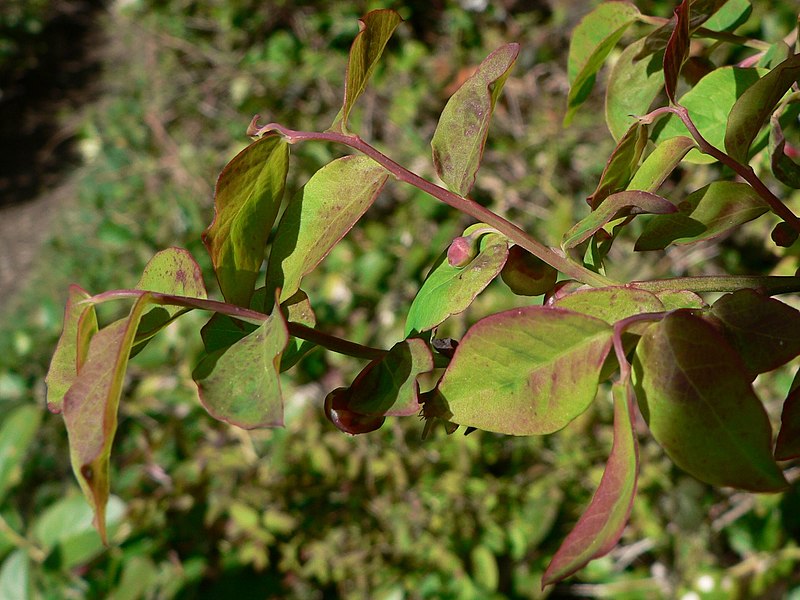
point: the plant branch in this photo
(770, 285)
(326, 340)
(551, 256)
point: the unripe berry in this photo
(784, 235)
(526, 274)
(346, 420)
(461, 251)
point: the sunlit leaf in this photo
(707, 212)
(632, 86)
(375, 29)
(449, 290)
(621, 164)
(524, 371)
(788, 443)
(91, 404)
(247, 199)
(592, 41)
(17, 431)
(240, 384)
(80, 324)
(709, 103)
(601, 525)
(615, 206)
(15, 576)
(611, 304)
(729, 16)
(658, 165)
(674, 299)
(695, 394)
(764, 331)
(677, 49)
(756, 104)
(464, 123)
(388, 386)
(784, 168)
(320, 215)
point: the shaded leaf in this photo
(694, 392)
(621, 204)
(464, 123)
(788, 444)
(524, 371)
(17, 431)
(700, 12)
(240, 384)
(80, 324)
(375, 29)
(756, 104)
(784, 168)
(621, 164)
(320, 215)
(729, 16)
(677, 50)
(297, 309)
(764, 331)
(592, 41)
(388, 386)
(91, 404)
(632, 86)
(248, 195)
(709, 103)
(222, 331)
(601, 525)
(707, 212)
(611, 304)
(449, 290)
(658, 165)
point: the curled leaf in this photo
(660, 163)
(621, 164)
(677, 49)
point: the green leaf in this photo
(617, 205)
(611, 304)
(764, 331)
(375, 29)
(525, 371)
(621, 164)
(297, 309)
(732, 14)
(660, 163)
(601, 525)
(15, 576)
(632, 86)
(484, 567)
(677, 49)
(247, 199)
(784, 168)
(592, 41)
(707, 212)
(695, 394)
(320, 215)
(756, 104)
(709, 103)
(788, 443)
(91, 405)
(240, 384)
(388, 385)
(464, 123)
(17, 432)
(450, 290)
(80, 324)
(674, 299)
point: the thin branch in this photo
(769, 284)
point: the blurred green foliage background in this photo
(203, 510)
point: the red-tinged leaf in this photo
(601, 525)
(706, 213)
(632, 86)
(525, 371)
(695, 394)
(764, 331)
(91, 404)
(246, 202)
(700, 12)
(240, 384)
(753, 108)
(788, 444)
(611, 304)
(375, 29)
(660, 163)
(592, 41)
(80, 324)
(388, 386)
(784, 168)
(677, 50)
(621, 164)
(464, 123)
(620, 204)
(320, 215)
(449, 290)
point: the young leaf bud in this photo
(461, 251)
(345, 419)
(526, 274)
(783, 235)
